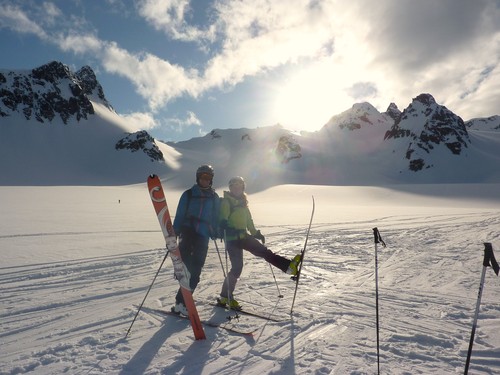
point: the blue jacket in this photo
(198, 209)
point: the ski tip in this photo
(152, 176)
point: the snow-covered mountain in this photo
(423, 128)
(488, 123)
(50, 91)
(57, 128)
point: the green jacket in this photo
(236, 214)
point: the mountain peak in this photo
(359, 116)
(423, 126)
(52, 72)
(426, 99)
(393, 112)
(48, 91)
(90, 85)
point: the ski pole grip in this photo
(377, 237)
(489, 258)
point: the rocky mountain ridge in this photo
(50, 90)
(53, 90)
(484, 124)
(424, 125)
(425, 142)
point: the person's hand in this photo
(260, 236)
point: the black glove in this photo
(259, 236)
(214, 233)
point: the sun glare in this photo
(309, 98)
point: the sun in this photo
(309, 97)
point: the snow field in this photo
(73, 273)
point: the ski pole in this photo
(297, 277)
(489, 257)
(276, 282)
(227, 273)
(142, 303)
(220, 259)
(377, 240)
(226, 278)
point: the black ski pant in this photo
(193, 248)
(235, 249)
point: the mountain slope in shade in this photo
(74, 153)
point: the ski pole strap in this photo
(378, 237)
(489, 258)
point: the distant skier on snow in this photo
(196, 221)
(235, 220)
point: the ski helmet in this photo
(204, 169)
(237, 180)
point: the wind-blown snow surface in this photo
(77, 261)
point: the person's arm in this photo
(180, 214)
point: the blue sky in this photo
(181, 68)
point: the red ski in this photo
(181, 272)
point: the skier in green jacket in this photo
(235, 222)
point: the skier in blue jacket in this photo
(196, 221)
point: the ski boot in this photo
(293, 268)
(180, 309)
(229, 303)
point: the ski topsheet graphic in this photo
(181, 272)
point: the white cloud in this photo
(80, 43)
(50, 12)
(362, 91)
(254, 36)
(190, 120)
(140, 121)
(170, 16)
(156, 80)
(262, 35)
(16, 19)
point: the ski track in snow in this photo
(71, 316)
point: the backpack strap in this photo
(189, 193)
(189, 196)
